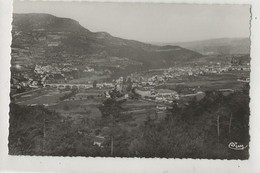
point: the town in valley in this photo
(80, 93)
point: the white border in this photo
(81, 164)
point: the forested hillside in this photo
(198, 130)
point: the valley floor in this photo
(62, 122)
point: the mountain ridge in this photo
(217, 46)
(55, 39)
(36, 20)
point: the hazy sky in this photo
(149, 22)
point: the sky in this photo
(150, 22)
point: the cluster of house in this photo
(220, 69)
(88, 69)
(23, 79)
(29, 82)
(169, 96)
(105, 85)
(246, 80)
(50, 69)
(160, 95)
(201, 70)
(146, 90)
(163, 75)
(63, 73)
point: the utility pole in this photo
(112, 135)
(218, 127)
(112, 145)
(44, 131)
(44, 127)
(229, 127)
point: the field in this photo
(84, 105)
(90, 78)
(42, 96)
(212, 81)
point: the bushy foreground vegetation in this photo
(199, 130)
(192, 132)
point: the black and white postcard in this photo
(130, 80)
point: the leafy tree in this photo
(94, 84)
(129, 84)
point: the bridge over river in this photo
(68, 85)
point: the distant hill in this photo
(216, 46)
(36, 21)
(48, 39)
